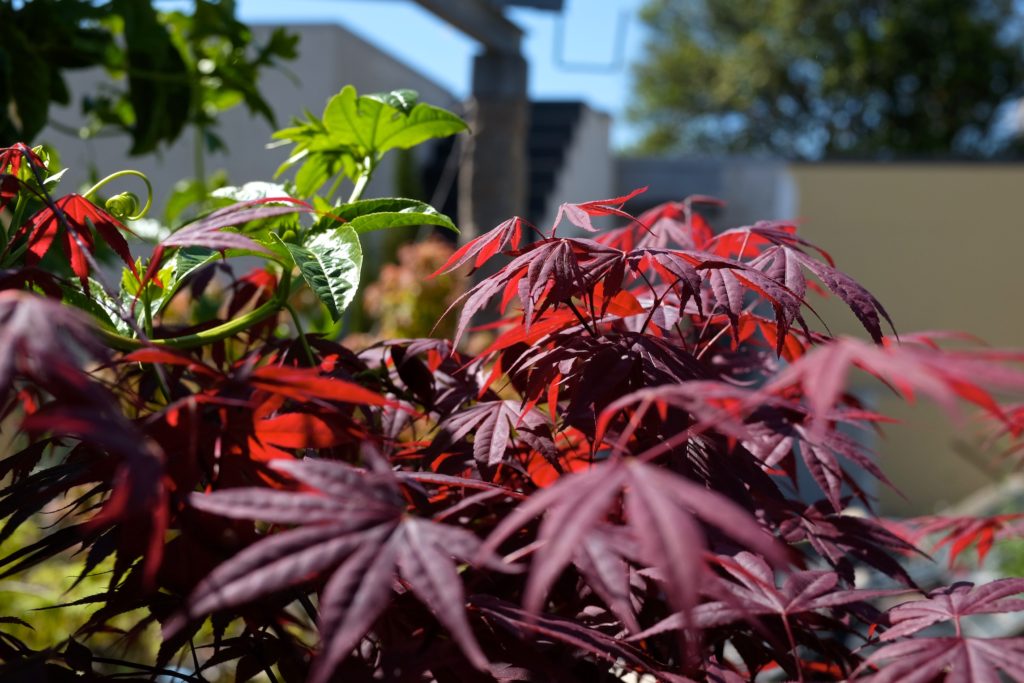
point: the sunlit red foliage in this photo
(609, 485)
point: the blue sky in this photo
(589, 30)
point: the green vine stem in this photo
(334, 187)
(16, 216)
(214, 334)
(302, 335)
(120, 174)
(364, 179)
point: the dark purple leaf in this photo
(353, 529)
(208, 232)
(953, 660)
(495, 427)
(662, 512)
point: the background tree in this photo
(831, 78)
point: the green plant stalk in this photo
(364, 179)
(16, 217)
(214, 334)
(334, 186)
(199, 158)
(191, 341)
(147, 311)
(302, 335)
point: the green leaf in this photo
(29, 84)
(330, 263)
(380, 214)
(161, 107)
(402, 100)
(187, 260)
(400, 219)
(303, 132)
(317, 170)
(373, 126)
(100, 306)
(423, 123)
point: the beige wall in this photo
(940, 245)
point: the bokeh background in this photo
(893, 132)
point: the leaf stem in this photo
(364, 179)
(579, 316)
(302, 335)
(147, 310)
(334, 186)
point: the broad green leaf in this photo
(330, 263)
(187, 260)
(364, 207)
(161, 108)
(317, 169)
(100, 306)
(129, 283)
(400, 219)
(402, 100)
(423, 123)
(390, 212)
(372, 126)
(303, 132)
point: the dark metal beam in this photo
(480, 20)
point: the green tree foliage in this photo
(830, 78)
(168, 69)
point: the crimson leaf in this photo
(662, 510)
(352, 527)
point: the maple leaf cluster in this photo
(610, 484)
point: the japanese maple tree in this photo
(608, 485)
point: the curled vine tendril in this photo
(124, 206)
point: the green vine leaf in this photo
(403, 100)
(379, 214)
(371, 125)
(187, 260)
(330, 262)
(98, 304)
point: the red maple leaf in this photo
(69, 219)
(956, 658)
(352, 527)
